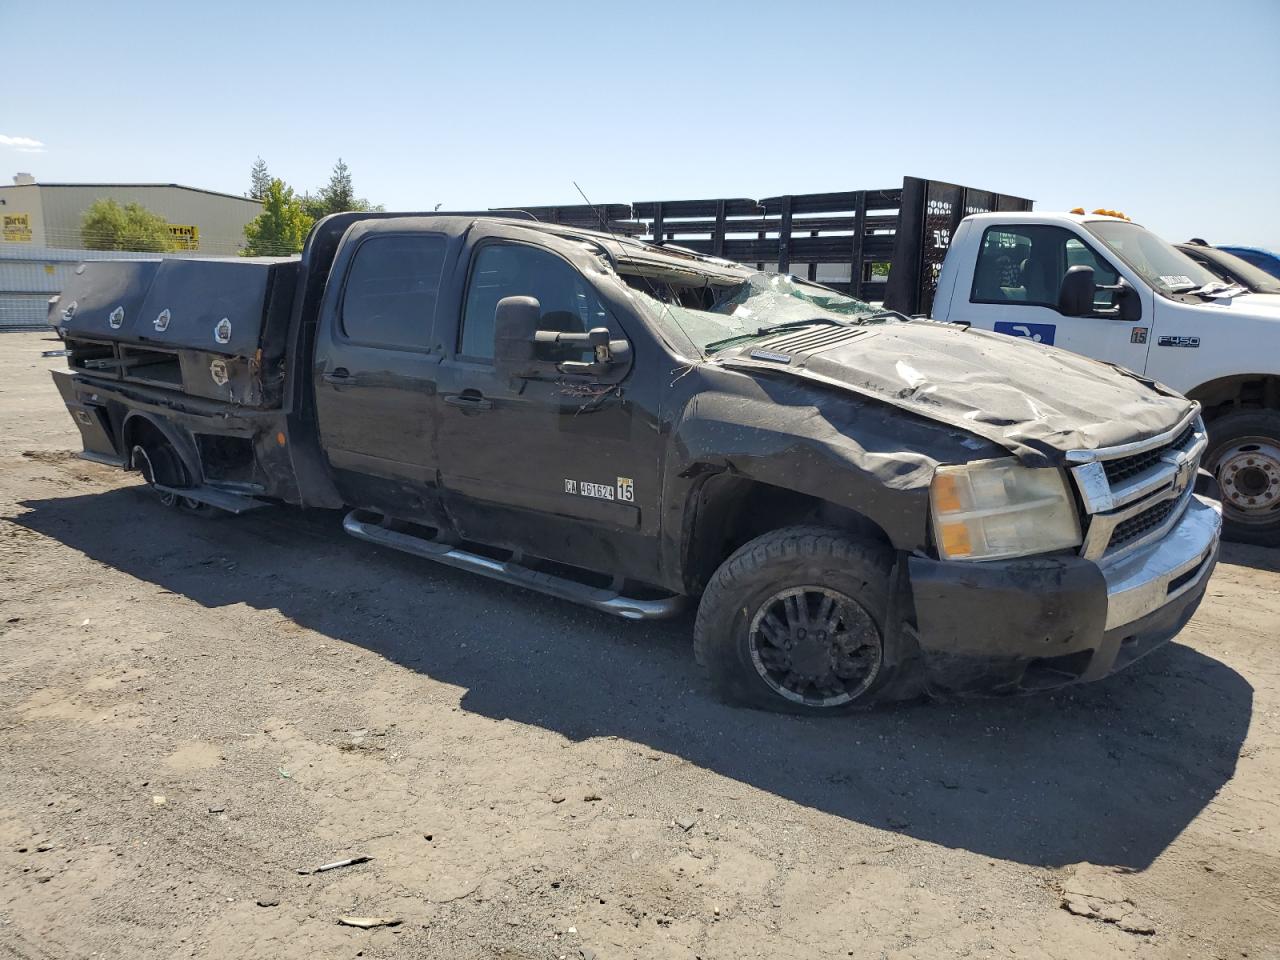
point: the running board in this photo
(366, 525)
(94, 457)
(230, 502)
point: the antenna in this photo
(605, 223)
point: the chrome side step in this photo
(367, 525)
(230, 502)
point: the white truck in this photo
(1108, 288)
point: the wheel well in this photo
(729, 511)
(146, 433)
(1246, 391)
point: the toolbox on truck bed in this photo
(210, 328)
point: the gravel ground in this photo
(192, 711)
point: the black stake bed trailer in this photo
(867, 505)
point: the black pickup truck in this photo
(868, 506)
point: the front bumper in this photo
(1045, 622)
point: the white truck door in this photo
(1012, 287)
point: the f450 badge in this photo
(1192, 342)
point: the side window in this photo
(1020, 264)
(998, 276)
(514, 270)
(390, 295)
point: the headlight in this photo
(997, 508)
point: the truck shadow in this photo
(1110, 773)
(1259, 558)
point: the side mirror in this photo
(606, 353)
(1075, 296)
(1128, 303)
(515, 324)
(517, 339)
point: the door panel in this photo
(538, 464)
(375, 378)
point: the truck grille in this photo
(1127, 531)
(1133, 493)
(1126, 467)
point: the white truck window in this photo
(1025, 263)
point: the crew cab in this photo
(1107, 288)
(862, 505)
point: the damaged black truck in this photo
(867, 506)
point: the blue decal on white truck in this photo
(1039, 332)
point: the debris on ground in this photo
(685, 823)
(1096, 894)
(349, 862)
(268, 902)
(368, 923)
(158, 800)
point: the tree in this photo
(282, 226)
(107, 225)
(314, 206)
(259, 179)
(339, 194)
(336, 196)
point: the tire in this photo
(157, 464)
(794, 622)
(1244, 456)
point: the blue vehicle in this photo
(1263, 259)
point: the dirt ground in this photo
(192, 711)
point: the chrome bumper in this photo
(1143, 581)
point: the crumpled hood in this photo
(1035, 401)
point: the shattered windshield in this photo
(761, 304)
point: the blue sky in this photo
(1169, 111)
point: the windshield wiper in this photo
(775, 328)
(1219, 288)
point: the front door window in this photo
(1025, 264)
(569, 305)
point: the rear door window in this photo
(391, 290)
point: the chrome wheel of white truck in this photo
(1244, 455)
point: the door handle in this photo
(338, 375)
(469, 400)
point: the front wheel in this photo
(1244, 456)
(794, 621)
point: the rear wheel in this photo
(158, 465)
(1244, 456)
(794, 621)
